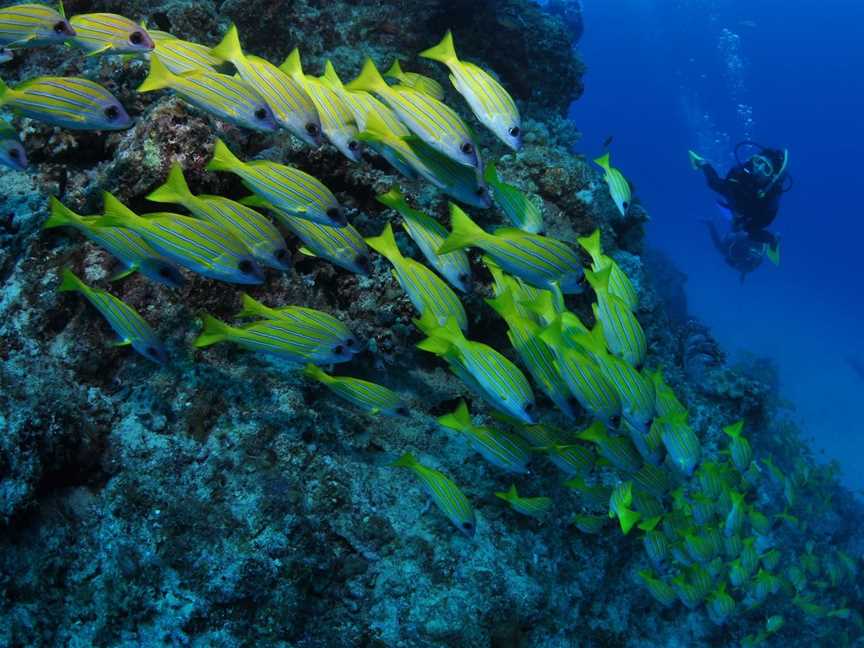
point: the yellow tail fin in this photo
(445, 52)
(175, 189)
(370, 79)
(158, 78)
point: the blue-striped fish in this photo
(530, 506)
(305, 318)
(108, 33)
(538, 260)
(68, 102)
(497, 379)
(429, 294)
(456, 180)
(619, 283)
(618, 450)
(281, 338)
(666, 401)
(739, 446)
(618, 187)
(181, 56)
(342, 246)
(623, 333)
(286, 188)
(202, 247)
(220, 95)
(367, 396)
(498, 448)
(444, 492)
(488, 99)
(33, 25)
(570, 458)
(337, 120)
(659, 589)
(734, 521)
(536, 356)
(126, 322)
(415, 81)
(133, 253)
(681, 442)
(587, 382)
(518, 208)
(429, 234)
(252, 229)
(12, 152)
(531, 302)
(429, 119)
(654, 480)
(593, 495)
(619, 506)
(6, 55)
(291, 104)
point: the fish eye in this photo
(136, 38)
(338, 349)
(480, 191)
(353, 145)
(515, 131)
(313, 130)
(261, 114)
(615, 421)
(467, 148)
(625, 204)
(14, 154)
(246, 267)
(529, 407)
(350, 342)
(464, 277)
(402, 410)
(281, 254)
(362, 263)
(153, 352)
(335, 214)
(467, 526)
(61, 27)
(112, 113)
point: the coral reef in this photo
(222, 500)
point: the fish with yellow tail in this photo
(621, 329)
(482, 368)
(33, 25)
(181, 56)
(108, 33)
(619, 283)
(429, 294)
(12, 152)
(126, 322)
(68, 102)
(530, 506)
(429, 119)
(523, 213)
(429, 234)
(367, 396)
(499, 448)
(337, 120)
(286, 188)
(223, 96)
(252, 229)
(415, 81)
(197, 245)
(489, 101)
(133, 253)
(619, 189)
(449, 499)
(619, 506)
(541, 261)
(287, 97)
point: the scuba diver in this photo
(739, 251)
(751, 191)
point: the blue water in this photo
(665, 76)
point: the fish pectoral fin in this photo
(123, 273)
(453, 81)
(121, 343)
(98, 51)
(375, 410)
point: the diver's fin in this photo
(773, 254)
(696, 160)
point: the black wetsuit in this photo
(753, 211)
(739, 250)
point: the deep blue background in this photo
(802, 76)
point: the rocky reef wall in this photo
(223, 501)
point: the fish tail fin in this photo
(595, 433)
(464, 231)
(628, 519)
(3, 90)
(375, 129)
(394, 199)
(509, 495)
(71, 283)
(407, 460)
(331, 76)
(395, 70)
(735, 429)
(223, 159)
(490, 174)
(214, 331)
(440, 338)
(229, 48)
(175, 189)
(115, 213)
(504, 304)
(251, 307)
(316, 373)
(445, 51)
(60, 215)
(599, 280)
(603, 161)
(370, 78)
(385, 244)
(591, 244)
(458, 419)
(158, 78)
(292, 65)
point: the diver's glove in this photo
(696, 160)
